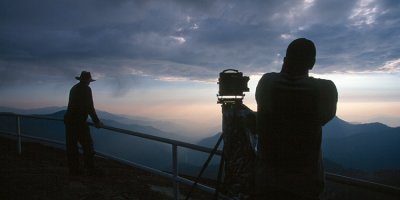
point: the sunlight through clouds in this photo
(392, 66)
(365, 13)
(179, 40)
(308, 3)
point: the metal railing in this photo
(174, 175)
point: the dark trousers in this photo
(79, 133)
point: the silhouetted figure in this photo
(292, 108)
(80, 105)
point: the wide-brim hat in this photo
(85, 76)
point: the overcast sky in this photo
(151, 56)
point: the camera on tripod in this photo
(237, 159)
(232, 84)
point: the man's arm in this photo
(92, 111)
(260, 120)
(329, 98)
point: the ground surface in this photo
(40, 172)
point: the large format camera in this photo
(232, 84)
(237, 160)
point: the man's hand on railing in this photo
(98, 124)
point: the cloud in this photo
(191, 40)
(392, 66)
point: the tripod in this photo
(205, 165)
(233, 107)
(232, 84)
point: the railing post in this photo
(19, 135)
(175, 171)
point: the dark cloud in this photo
(189, 39)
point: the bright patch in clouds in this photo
(364, 13)
(392, 66)
(179, 40)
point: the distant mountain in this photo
(372, 147)
(211, 141)
(178, 131)
(139, 150)
(338, 128)
(193, 161)
(369, 147)
(36, 111)
(118, 121)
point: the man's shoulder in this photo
(270, 75)
(323, 82)
(325, 86)
(80, 87)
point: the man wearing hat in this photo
(292, 107)
(80, 105)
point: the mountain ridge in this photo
(116, 119)
(369, 146)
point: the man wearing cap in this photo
(292, 107)
(80, 105)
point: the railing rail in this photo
(174, 175)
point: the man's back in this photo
(291, 113)
(80, 103)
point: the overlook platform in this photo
(32, 170)
(41, 173)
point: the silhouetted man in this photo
(80, 105)
(292, 108)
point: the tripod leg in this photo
(205, 166)
(220, 171)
